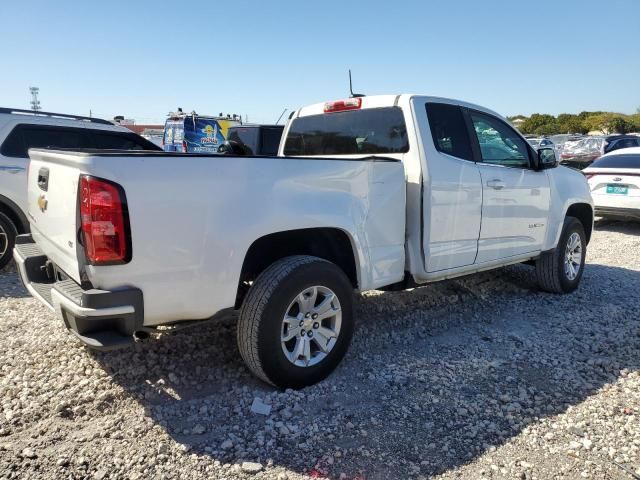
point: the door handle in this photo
(496, 184)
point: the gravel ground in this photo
(481, 377)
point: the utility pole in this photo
(35, 103)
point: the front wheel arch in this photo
(584, 213)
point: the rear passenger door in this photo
(452, 190)
(515, 196)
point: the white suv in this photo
(21, 130)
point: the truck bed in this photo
(194, 216)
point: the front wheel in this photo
(560, 270)
(8, 234)
(296, 321)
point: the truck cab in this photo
(478, 195)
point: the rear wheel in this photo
(8, 232)
(296, 321)
(560, 271)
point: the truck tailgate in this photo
(52, 206)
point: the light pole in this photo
(35, 103)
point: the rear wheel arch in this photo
(282, 335)
(331, 244)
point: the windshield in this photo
(369, 131)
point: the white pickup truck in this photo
(366, 193)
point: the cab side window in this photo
(449, 131)
(499, 143)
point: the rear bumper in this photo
(101, 319)
(617, 212)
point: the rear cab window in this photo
(355, 132)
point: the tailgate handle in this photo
(43, 179)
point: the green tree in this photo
(570, 123)
(621, 124)
(540, 124)
(585, 115)
(610, 123)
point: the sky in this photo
(142, 59)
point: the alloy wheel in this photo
(311, 326)
(573, 256)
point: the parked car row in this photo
(582, 153)
(579, 151)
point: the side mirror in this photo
(547, 158)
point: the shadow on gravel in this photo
(617, 226)
(10, 284)
(435, 377)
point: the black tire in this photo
(6, 243)
(550, 268)
(263, 310)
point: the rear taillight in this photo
(342, 105)
(105, 222)
(184, 146)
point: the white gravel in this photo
(481, 377)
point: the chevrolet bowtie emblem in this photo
(42, 203)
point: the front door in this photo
(515, 196)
